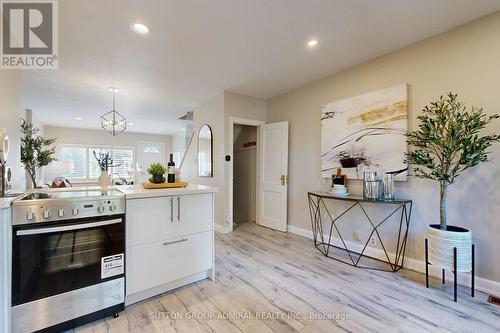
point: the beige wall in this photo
(10, 114)
(216, 113)
(465, 60)
(210, 112)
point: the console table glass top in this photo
(321, 214)
(359, 198)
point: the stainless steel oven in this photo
(67, 270)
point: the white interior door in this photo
(273, 176)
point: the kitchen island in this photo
(169, 239)
(169, 236)
(5, 244)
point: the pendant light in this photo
(113, 122)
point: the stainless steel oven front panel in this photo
(50, 311)
(39, 211)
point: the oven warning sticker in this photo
(112, 265)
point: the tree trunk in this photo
(442, 204)
(33, 178)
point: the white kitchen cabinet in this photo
(152, 265)
(191, 214)
(5, 268)
(148, 220)
(155, 219)
(170, 239)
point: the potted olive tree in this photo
(36, 151)
(449, 141)
(157, 171)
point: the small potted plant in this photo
(448, 142)
(157, 171)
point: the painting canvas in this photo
(366, 133)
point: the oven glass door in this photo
(53, 258)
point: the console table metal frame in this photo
(317, 200)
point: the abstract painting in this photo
(366, 133)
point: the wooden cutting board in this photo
(150, 186)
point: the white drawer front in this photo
(195, 214)
(152, 265)
(149, 220)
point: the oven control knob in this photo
(30, 216)
(75, 211)
(61, 212)
(112, 208)
(100, 209)
(46, 214)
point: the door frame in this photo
(239, 121)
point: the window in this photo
(85, 166)
(151, 150)
(122, 158)
(78, 158)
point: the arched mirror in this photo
(205, 152)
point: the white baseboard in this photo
(481, 284)
(140, 296)
(220, 228)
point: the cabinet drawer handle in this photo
(178, 208)
(175, 242)
(172, 210)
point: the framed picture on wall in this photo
(366, 133)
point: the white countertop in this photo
(133, 193)
(138, 193)
(6, 202)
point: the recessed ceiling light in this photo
(131, 124)
(113, 89)
(139, 28)
(312, 42)
(78, 118)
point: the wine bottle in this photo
(171, 170)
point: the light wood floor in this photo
(263, 273)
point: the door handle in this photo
(39, 231)
(172, 210)
(283, 180)
(178, 208)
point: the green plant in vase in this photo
(36, 151)
(157, 171)
(449, 141)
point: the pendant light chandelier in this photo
(113, 122)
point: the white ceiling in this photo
(198, 48)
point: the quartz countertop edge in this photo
(139, 193)
(134, 192)
(6, 202)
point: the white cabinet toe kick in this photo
(169, 243)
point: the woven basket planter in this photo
(442, 242)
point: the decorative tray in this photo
(150, 186)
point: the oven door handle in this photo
(38, 231)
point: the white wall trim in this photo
(229, 204)
(464, 279)
(221, 228)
